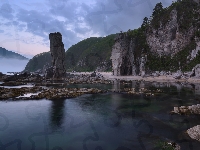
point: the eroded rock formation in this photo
(58, 55)
(124, 60)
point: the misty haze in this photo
(12, 65)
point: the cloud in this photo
(77, 19)
(108, 17)
(1, 31)
(6, 11)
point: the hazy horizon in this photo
(12, 65)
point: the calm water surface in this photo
(109, 121)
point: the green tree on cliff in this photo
(157, 10)
(145, 22)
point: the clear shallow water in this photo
(110, 121)
(19, 86)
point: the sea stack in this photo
(58, 55)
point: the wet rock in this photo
(11, 93)
(22, 77)
(186, 110)
(58, 55)
(194, 132)
(93, 74)
(63, 93)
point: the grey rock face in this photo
(167, 40)
(58, 55)
(123, 56)
(195, 71)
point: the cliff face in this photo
(172, 41)
(124, 58)
(168, 40)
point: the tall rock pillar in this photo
(58, 55)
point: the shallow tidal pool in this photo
(109, 121)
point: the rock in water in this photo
(58, 55)
(194, 132)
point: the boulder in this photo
(93, 74)
(178, 74)
(194, 132)
(194, 109)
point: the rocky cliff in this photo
(122, 56)
(169, 40)
(58, 55)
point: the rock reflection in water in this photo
(197, 89)
(57, 113)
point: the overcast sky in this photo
(25, 24)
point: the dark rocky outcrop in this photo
(1, 74)
(48, 71)
(58, 55)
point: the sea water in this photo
(108, 121)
